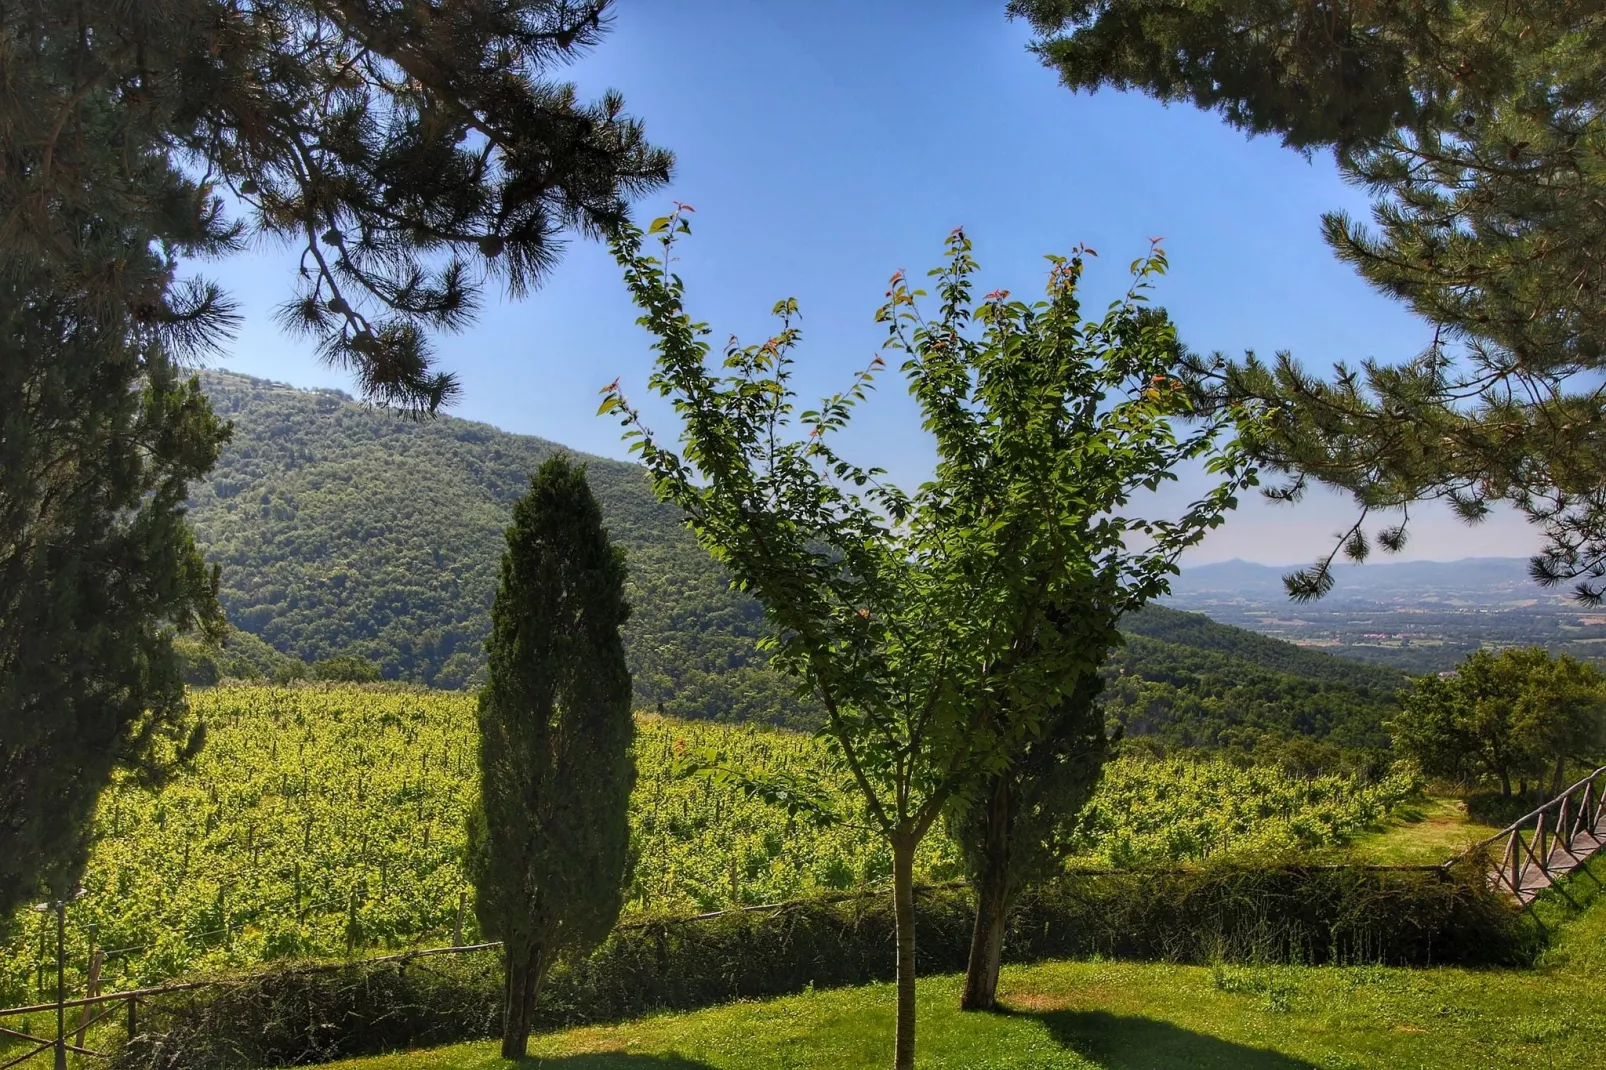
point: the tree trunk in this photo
(1561, 771)
(992, 903)
(1505, 783)
(903, 901)
(518, 1016)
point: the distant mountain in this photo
(344, 528)
(1480, 581)
(1419, 616)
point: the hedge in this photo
(302, 1014)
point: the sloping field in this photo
(325, 821)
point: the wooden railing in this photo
(1548, 842)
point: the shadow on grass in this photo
(1123, 1042)
(612, 1060)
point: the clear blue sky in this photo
(825, 145)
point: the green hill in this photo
(346, 529)
(1193, 682)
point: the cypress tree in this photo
(98, 573)
(549, 839)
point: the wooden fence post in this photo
(92, 989)
(61, 984)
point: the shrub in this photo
(1270, 913)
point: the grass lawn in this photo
(1423, 832)
(1130, 1016)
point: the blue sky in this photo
(825, 145)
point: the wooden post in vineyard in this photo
(91, 990)
(61, 984)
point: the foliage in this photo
(407, 148)
(934, 629)
(1152, 813)
(347, 556)
(345, 668)
(320, 819)
(1516, 714)
(1186, 697)
(346, 529)
(549, 835)
(1250, 651)
(98, 573)
(1477, 127)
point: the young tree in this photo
(549, 838)
(1017, 827)
(1516, 714)
(924, 624)
(1478, 127)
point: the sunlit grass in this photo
(1423, 832)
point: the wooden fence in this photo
(1548, 843)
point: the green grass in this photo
(1115, 1016)
(1104, 1015)
(1422, 832)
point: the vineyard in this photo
(328, 821)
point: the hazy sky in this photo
(825, 145)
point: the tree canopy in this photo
(409, 148)
(1513, 715)
(1478, 128)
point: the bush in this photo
(1208, 914)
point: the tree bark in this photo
(1505, 783)
(1561, 770)
(522, 986)
(903, 901)
(992, 903)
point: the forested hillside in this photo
(346, 529)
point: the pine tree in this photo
(407, 147)
(549, 839)
(1478, 127)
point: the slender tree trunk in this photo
(523, 985)
(1505, 783)
(1561, 771)
(903, 900)
(992, 902)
